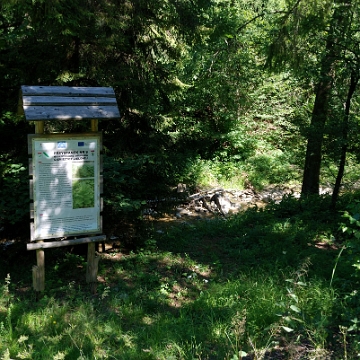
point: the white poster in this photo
(66, 175)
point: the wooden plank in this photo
(67, 91)
(30, 164)
(32, 231)
(67, 101)
(31, 210)
(36, 113)
(62, 243)
(20, 110)
(31, 189)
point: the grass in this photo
(259, 285)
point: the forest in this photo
(243, 96)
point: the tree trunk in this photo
(353, 83)
(311, 177)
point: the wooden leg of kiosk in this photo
(39, 271)
(92, 260)
(92, 267)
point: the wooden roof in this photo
(68, 103)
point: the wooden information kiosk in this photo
(66, 171)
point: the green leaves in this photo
(287, 329)
(14, 192)
(295, 309)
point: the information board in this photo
(66, 185)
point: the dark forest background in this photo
(221, 92)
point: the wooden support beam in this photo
(38, 279)
(92, 267)
(94, 125)
(39, 127)
(39, 271)
(61, 243)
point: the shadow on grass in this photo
(204, 290)
(277, 238)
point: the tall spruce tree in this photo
(333, 52)
(309, 37)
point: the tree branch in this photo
(286, 13)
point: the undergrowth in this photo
(279, 282)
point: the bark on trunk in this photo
(311, 176)
(353, 84)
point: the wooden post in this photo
(92, 267)
(94, 125)
(39, 269)
(39, 127)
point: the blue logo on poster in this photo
(61, 144)
(81, 143)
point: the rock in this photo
(222, 202)
(181, 212)
(204, 203)
(181, 188)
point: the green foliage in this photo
(349, 257)
(197, 108)
(14, 183)
(6, 327)
(120, 192)
(213, 173)
(14, 192)
(351, 234)
(273, 167)
(352, 216)
(196, 104)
